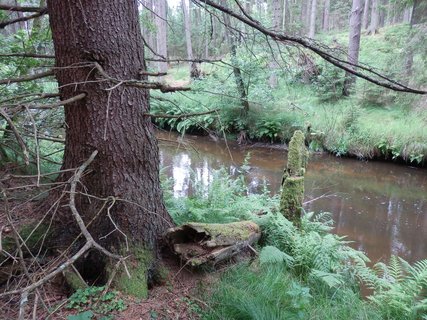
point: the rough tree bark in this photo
(313, 12)
(194, 69)
(112, 122)
(353, 42)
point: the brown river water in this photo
(380, 206)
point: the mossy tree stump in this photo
(293, 179)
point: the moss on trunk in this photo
(293, 179)
(133, 280)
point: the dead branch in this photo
(28, 55)
(4, 24)
(22, 9)
(39, 136)
(28, 77)
(153, 74)
(38, 96)
(90, 242)
(17, 136)
(138, 83)
(180, 116)
(316, 48)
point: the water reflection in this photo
(380, 206)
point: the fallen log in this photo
(209, 243)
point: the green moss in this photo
(137, 265)
(293, 179)
(297, 155)
(235, 231)
(33, 239)
(292, 198)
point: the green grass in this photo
(248, 292)
(373, 122)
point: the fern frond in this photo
(271, 255)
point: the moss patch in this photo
(33, 239)
(138, 265)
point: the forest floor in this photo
(176, 297)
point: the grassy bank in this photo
(371, 123)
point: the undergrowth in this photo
(372, 123)
(306, 273)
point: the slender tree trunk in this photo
(194, 70)
(326, 12)
(277, 10)
(161, 24)
(111, 122)
(375, 17)
(419, 15)
(313, 14)
(286, 16)
(365, 19)
(307, 17)
(354, 42)
(238, 78)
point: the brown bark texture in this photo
(110, 121)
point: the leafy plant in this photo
(399, 288)
(94, 299)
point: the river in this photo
(380, 206)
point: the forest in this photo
(206, 159)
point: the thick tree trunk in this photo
(161, 24)
(353, 42)
(194, 69)
(375, 17)
(365, 15)
(312, 30)
(110, 121)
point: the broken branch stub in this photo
(205, 243)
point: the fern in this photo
(399, 288)
(271, 255)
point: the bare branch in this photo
(17, 136)
(28, 55)
(316, 48)
(140, 83)
(23, 9)
(180, 116)
(40, 95)
(4, 24)
(31, 77)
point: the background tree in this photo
(313, 14)
(353, 41)
(194, 70)
(375, 17)
(161, 32)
